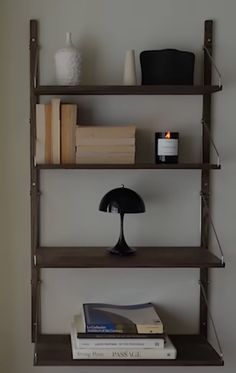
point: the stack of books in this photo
(104, 331)
(105, 145)
(55, 133)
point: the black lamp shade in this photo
(122, 201)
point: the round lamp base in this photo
(122, 249)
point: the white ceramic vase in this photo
(129, 68)
(68, 63)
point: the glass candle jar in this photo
(166, 147)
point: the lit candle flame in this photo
(167, 135)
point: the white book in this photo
(119, 341)
(56, 131)
(168, 352)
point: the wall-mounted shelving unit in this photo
(193, 350)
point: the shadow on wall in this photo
(90, 52)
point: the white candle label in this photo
(167, 147)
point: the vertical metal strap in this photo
(34, 72)
(212, 321)
(35, 78)
(205, 175)
(37, 312)
(36, 323)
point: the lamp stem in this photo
(122, 248)
(122, 237)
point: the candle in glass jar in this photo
(166, 147)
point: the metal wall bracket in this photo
(203, 196)
(211, 319)
(211, 140)
(35, 358)
(35, 260)
(214, 65)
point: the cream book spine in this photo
(43, 152)
(105, 149)
(40, 134)
(112, 141)
(56, 131)
(68, 127)
(105, 132)
(48, 134)
(106, 159)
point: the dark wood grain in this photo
(136, 166)
(205, 179)
(127, 90)
(145, 257)
(192, 350)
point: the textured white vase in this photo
(68, 63)
(129, 68)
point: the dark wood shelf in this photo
(145, 257)
(136, 166)
(192, 350)
(127, 90)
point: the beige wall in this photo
(104, 29)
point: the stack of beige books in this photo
(105, 145)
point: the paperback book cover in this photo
(114, 340)
(108, 318)
(168, 352)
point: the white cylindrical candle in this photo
(129, 68)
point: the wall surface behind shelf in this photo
(104, 29)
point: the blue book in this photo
(108, 318)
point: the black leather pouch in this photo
(167, 67)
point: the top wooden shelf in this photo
(135, 166)
(127, 90)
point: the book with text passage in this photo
(167, 352)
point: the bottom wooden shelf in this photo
(192, 350)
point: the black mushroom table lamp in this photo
(122, 201)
